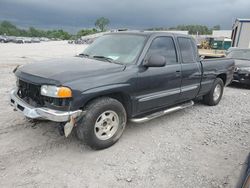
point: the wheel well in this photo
(223, 77)
(121, 97)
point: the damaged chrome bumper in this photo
(41, 113)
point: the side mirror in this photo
(155, 61)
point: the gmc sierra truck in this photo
(122, 76)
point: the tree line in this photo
(192, 29)
(7, 28)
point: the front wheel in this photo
(103, 123)
(215, 94)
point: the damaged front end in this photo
(29, 99)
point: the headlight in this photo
(56, 92)
(244, 69)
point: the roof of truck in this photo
(147, 33)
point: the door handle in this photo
(178, 71)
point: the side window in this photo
(164, 46)
(187, 50)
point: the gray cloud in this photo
(128, 13)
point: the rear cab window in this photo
(188, 51)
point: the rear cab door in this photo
(191, 68)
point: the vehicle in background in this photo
(19, 40)
(242, 64)
(122, 75)
(6, 39)
(27, 40)
(44, 39)
(35, 40)
(230, 49)
(82, 41)
(3, 39)
(11, 38)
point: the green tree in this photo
(34, 32)
(7, 24)
(59, 34)
(102, 23)
(193, 29)
(85, 32)
(11, 30)
(157, 29)
(8, 29)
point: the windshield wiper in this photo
(83, 55)
(105, 58)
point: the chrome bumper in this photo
(41, 113)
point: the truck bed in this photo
(212, 68)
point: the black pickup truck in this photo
(126, 75)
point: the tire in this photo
(103, 123)
(215, 94)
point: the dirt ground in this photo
(197, 147)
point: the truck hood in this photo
(59, 71)
(242, 63)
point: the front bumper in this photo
(41, 113)
(243, 78)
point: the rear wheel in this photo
(215, 94)
(103, 123)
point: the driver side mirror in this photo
(155, 61)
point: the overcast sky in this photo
(135, 14)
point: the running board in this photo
(162, 113)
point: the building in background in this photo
(219, 40)
(241, 33)
(222, 34)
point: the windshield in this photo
(122, 48)
(240, 54)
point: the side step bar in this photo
(164, 112)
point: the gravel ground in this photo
(197, 147)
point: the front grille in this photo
(30, 93)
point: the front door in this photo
(159, 86)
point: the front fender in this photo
(82, 98)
